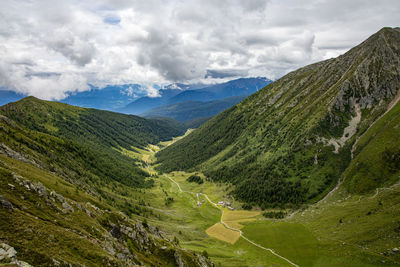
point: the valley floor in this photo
(340, 230)
(337, 231)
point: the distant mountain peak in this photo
(179, 93)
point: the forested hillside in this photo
(83, 145)
(290, 142)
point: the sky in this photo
(50, 48)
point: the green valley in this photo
(305, 172)
(290, 142)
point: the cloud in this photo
(50, 48)
(166, 52)
(77, 50)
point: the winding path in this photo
(227, 226)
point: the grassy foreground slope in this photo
(65, 177)
(51, 222)
(290, 142)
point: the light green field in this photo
(236, 218)
(222, 233)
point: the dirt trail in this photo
(227, 226)
(392, 187)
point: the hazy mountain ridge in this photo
(238, 87)
(274, 145)
(145, 103)
(111, 97)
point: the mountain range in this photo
(238, 87)
(132, 99)
(111, 97)
(108, 98)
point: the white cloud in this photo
(51, 47)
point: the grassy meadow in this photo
(319, 235)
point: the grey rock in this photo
(79, 206)
(67, 207)
(6, 204)
(7, 251)
(203, 261)
(59, 197)
(155, 231)
(88, 212)
(138, 234)
(88, 204)
(109, 248)
(42, 190)
(5, 150)
(178, 259)
(17, 178)
(22, 263)
(12, 252)
(2, 253)
(121, 256)
(115, 232)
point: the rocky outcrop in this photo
(178, 259)
(115, 232)
(139, 235)
(9, 254)
(67, 207)
(7, 151)
(6, 204)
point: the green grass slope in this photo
(278, 146)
